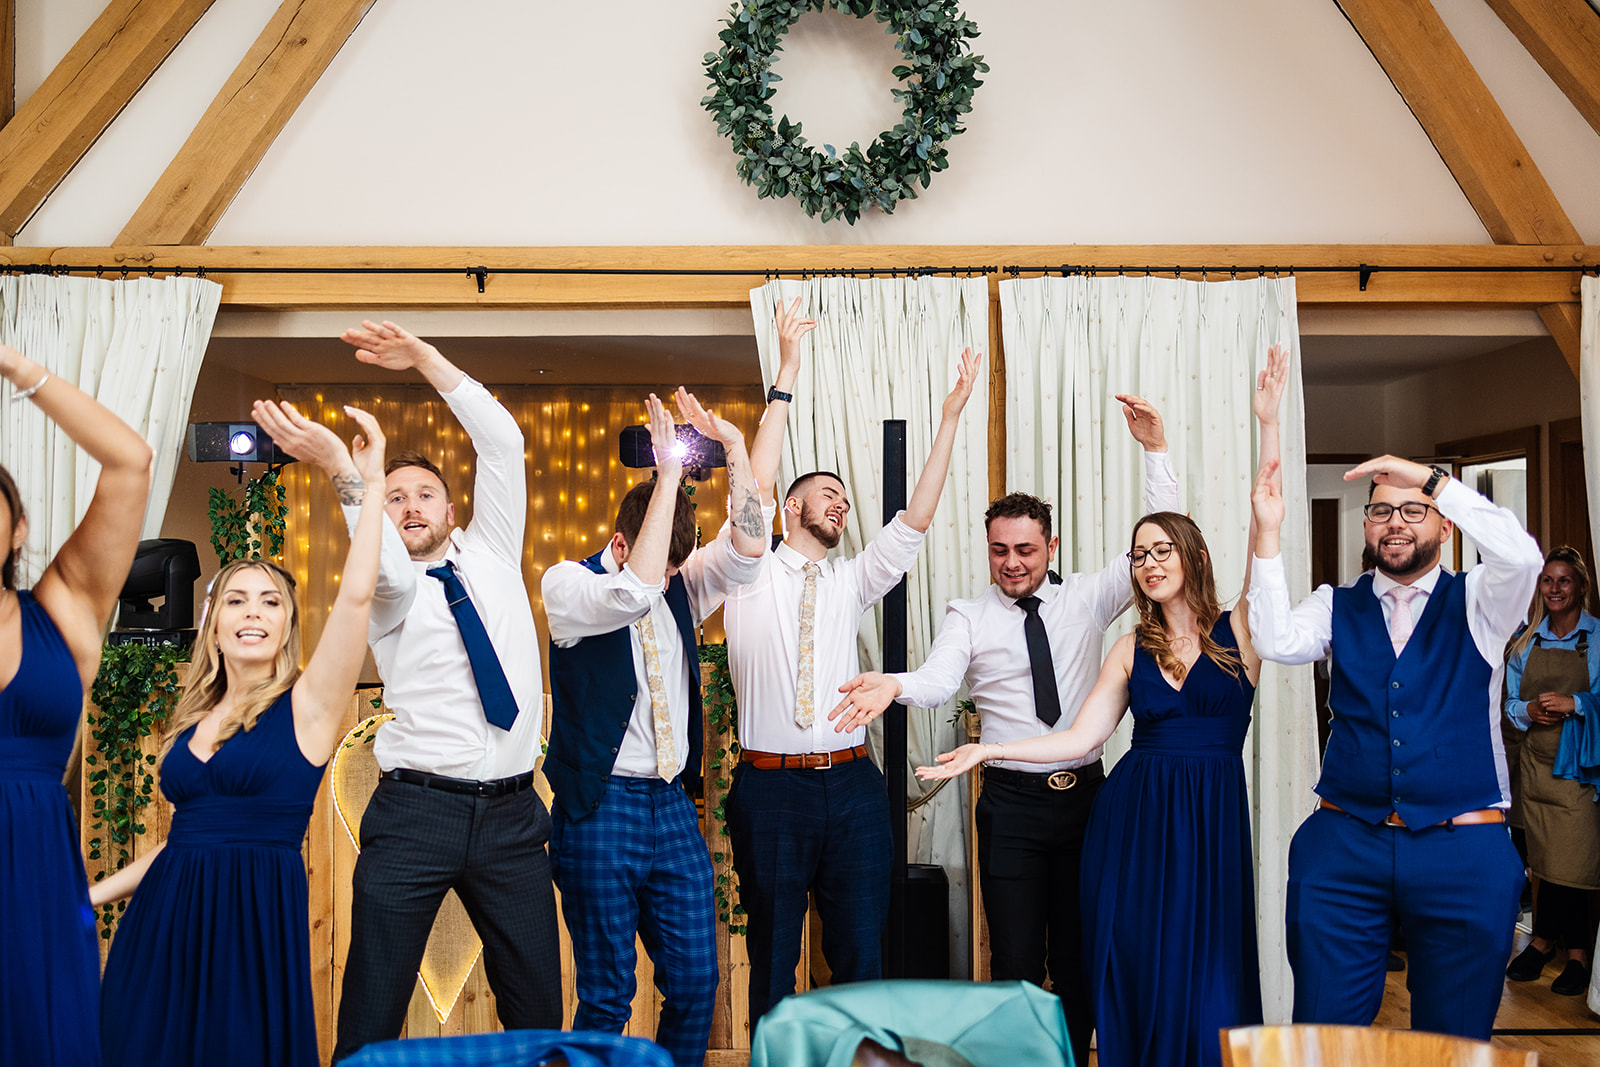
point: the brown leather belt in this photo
(1466, 818)
(808, 761)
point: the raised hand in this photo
(366, 449)
(663, 436)
(966, 378)
(866, 696)
(953, 764)
(388, 346)
(1266, 499)
(1144, 421)
(791, 328)
(1392, 470)
(1270, 384)
(307, 441)
(705, 421)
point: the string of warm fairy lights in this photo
(575, 479)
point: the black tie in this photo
(1046, 698)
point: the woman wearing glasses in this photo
(1168, 877)
(1552, 672)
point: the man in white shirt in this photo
(1030, 822)
(1411, 820)
(626, 848)
(807, 811)
(453, 637)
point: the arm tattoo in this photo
(744, 507)
(350, 487)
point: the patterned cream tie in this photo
(805, 700)
(666, 761)
(1400, 621)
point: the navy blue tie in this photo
(499, 706)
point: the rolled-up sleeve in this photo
(580, 603)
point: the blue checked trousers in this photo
(638, 865)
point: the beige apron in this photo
(1562, 818)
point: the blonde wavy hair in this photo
(1199, 591)
(1536, 611)
(207, 679)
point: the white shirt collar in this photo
(1382, 583)
(796, 560)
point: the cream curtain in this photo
(135, 346)
(1193, 349)
(890, 349)
(575, 479)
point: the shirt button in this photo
(1394, 685)
(614, 752)
(1395, 713)
(1395, 772)
(1396, 742)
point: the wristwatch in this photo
(775, 393)
(1439, 475)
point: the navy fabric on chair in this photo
(514, 1048)
(936, 1024)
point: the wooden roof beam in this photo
(1564, 36)
(93, 83)
(247, 115)
(1468, 129)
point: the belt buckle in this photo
(488, 789)
(824, 763)
(1061, 781)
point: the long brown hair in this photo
(13, 501)
(1199, 592)
(1536, 611)
(207, 679)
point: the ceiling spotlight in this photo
(232, 442)
(699, 453)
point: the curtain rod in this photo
(1365, 271)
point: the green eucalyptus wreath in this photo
(939, 78)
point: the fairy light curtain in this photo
(575, 480)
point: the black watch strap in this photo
(1432, 484)
(774, 393)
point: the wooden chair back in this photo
(1361, 1046)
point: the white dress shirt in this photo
(982, 642)
(438, 722)
(581, 603)
(763, 624)
(1498, 592)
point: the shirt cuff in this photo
(1454, 497)
(1268, 573)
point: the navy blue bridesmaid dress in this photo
(1169, 909)
(211, 962)
(49, 959)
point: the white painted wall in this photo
(552, 123)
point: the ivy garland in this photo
(136, 688)
(939, 78)
(722, 752)
(234, 534)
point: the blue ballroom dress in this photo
(211, 962)
(1168, 880)
(49, 958)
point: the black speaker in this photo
(166, 568)
(927, 949)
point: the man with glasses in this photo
(1029, 649)
(1411, 821)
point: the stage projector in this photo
(232, 442)
(699, 453)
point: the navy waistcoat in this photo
(592, 694)
(1410, 735)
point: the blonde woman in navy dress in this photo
(50, 639)
(211, 962)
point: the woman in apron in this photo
(1553, 682)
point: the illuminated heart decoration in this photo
(453, 944)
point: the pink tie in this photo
(1400, 620)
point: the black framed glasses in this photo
(1161, 551)
(1412, 511)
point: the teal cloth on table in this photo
(1578, 755)
(933, 1023)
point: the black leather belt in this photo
(471, 787)
(1048, 781)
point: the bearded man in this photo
(807, 810)
(453, 637)
(1411, 821)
